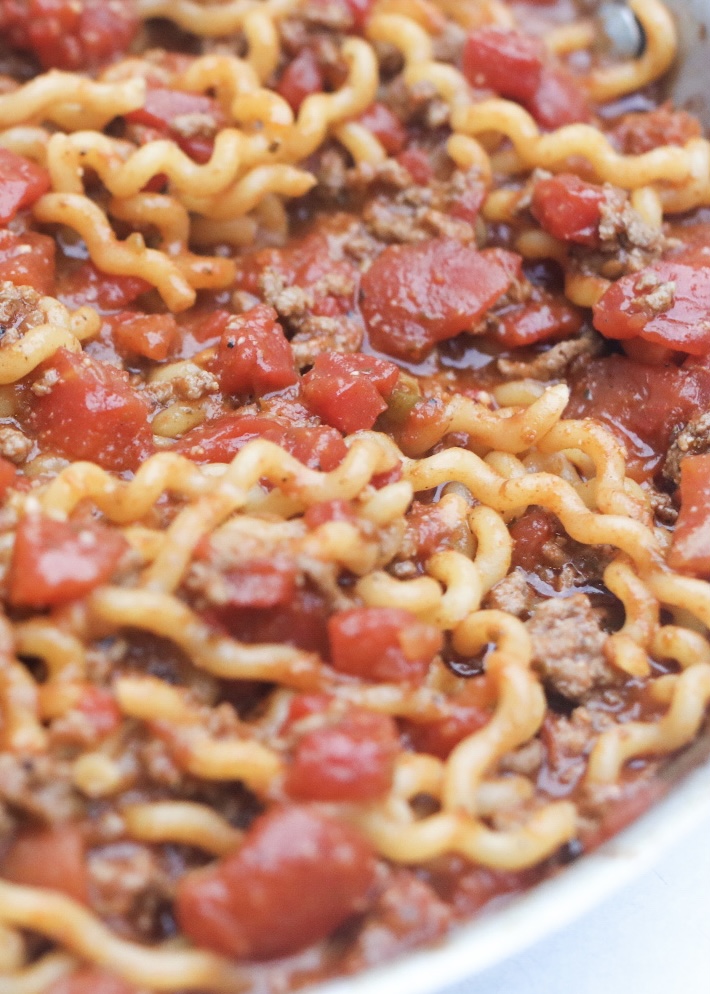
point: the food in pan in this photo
(355, 459)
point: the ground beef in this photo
(637, 133)
(568, 645)
(20, 311)
(39, 786)
(312, 334)
(627, 244)
(513, 594)
(129, 888)
(421, 212)
(693, 440)
(14, 445)
(407, 914)
(552, 364)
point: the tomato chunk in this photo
(21, 183)
(568, 208)
(329, 510)
(509, 62)
(559, 100)
(360, 10)
(385, 126)
(302, 77)
(148, 335)
(350, 761)
(641, 403)
(637, 133)
(545, 320)
(100, 708)
(253, 356)
(260, 583)
(690, 551)
(667, 303)
(49, 857)
(69, 34)
(382, 643)
(301, 622)
(221, 439)
(90, 411)
(189, 119)
(27, 260)
(349, 391)
(58, 561)
(298, 876)
(88, 285)
(8, 474)
(419, 294)
(91, 980)
(530, 533)
(515, 65)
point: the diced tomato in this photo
(90, 411)
(148, 335)
(58, 561)
(469, 714)
(315, 263)
(388, 476)
(253, 356)
(349, 391)
(88, 285)
(416, 162)
(49, 857)
(385, 126)
(21, 183)
(91, 980)
(8, 472)
(69, 34)
(568, 208)
(260, 583)
(221, 439)
(515, 66)
(690, 551)
(167, 111)
(508, 62)
(320, 448)
(439, 738)
(162, 106)
(416, 295)
(100, 707)
(27, 260)
(329, 510)
(350, 761)
(304, 705)
(559, 100)
(668, 303)
(360, 10)
(382, 643)
(302, 77)
(637, 133)
(301, 622)
(641, 403)
(297, 877)
(544, 320)
(530, 533)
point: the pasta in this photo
(355, 474)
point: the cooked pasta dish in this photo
(355, 473)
